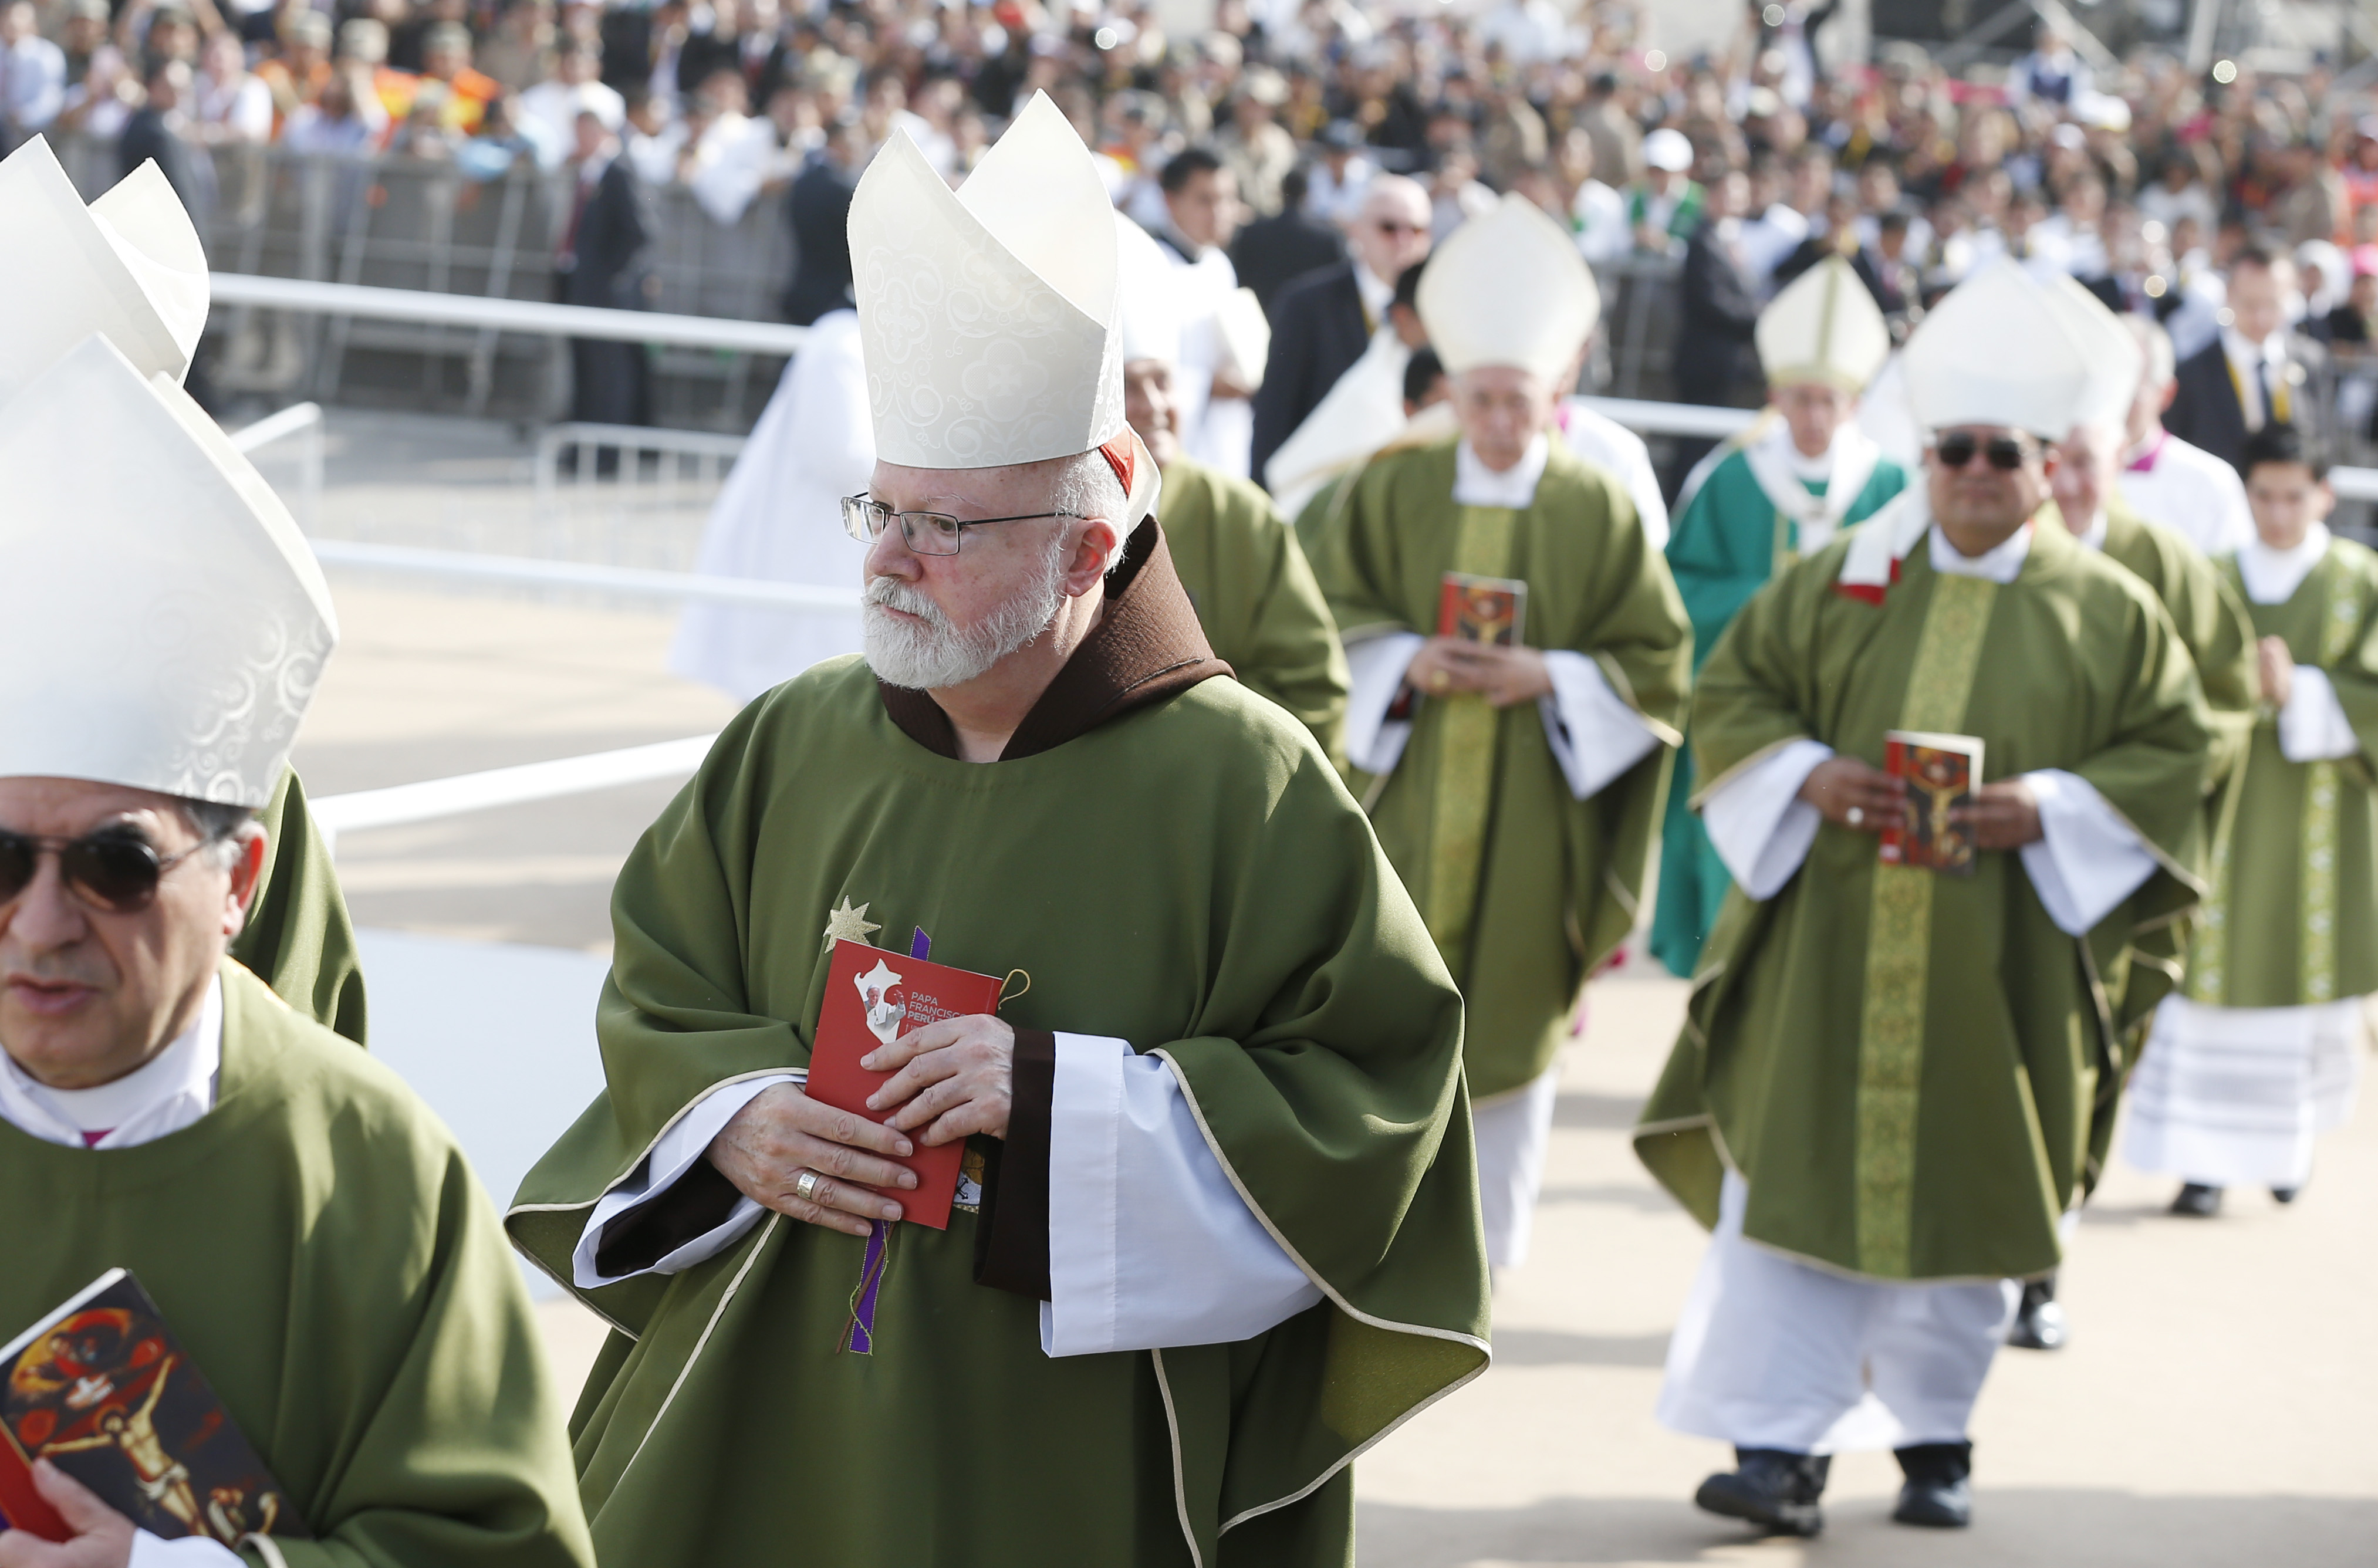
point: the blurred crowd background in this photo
(438, 144)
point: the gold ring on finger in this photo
(1856, 817)
(806, 1189)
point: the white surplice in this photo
(2187, 489)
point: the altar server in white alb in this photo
(2264, 1052)
(1518, 659)
(1891, 1077)
(2164, 479)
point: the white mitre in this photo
(1510, 288)
(1823, 328)
(129, 265)
(168, 625)
(986, 316)
(2115, 357)
(1995, 353)
(1149, 296)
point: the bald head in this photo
(1391, 231)
(2089, 463)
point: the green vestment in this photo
(1526, 889)
(1190, 876)
(1907, 1065)
(324, 1254)
(1255, 595)
(298, 936)
(2293, 919)
(1725, 543)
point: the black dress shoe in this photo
(2197, 1201)
(2039, 1322)
(1940, 1490)
(1772, 1488)
(2285, 1194)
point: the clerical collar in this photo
(1475, 484)
(165, 1093)
(2143, 460)
(2000, 564)
(2272, 576)
(1809, 469)
(1148, 647)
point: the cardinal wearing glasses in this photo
(1216, 1229)
(1907, 1023)
(309, 1233)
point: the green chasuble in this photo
(1526, 889)
(1190, 876)
(298, 936)
(1727, 541)
(1255, 595)
(1907, 1065)
(2293, 919)
(324, 1254)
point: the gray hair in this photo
(218, 824)
(2162, 364)
(1087, 487)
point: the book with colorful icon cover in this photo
(874, 997)
(1939, 773)
(103, 1390)
(1492, 610)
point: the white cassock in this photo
(1772, 1352)
(1605, 443)
(1595, 737)
(1220, 434)
(2189, 490)
(778, 519)
(2236, 1096)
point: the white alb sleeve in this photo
(2313, 727)
(190, 1551)
(1377, 665)
(2086, 859)
(1759, 824)
(1594, 733)
(1149, 1244)
(672, 1155)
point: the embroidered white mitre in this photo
(1995, 353)
(1510, 288)
(1825, 328)
(2115, 358)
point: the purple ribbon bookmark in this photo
(859, 1333)
(920, 945)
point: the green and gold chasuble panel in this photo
(2293, 919)
(1525, 887)
(1907, 1065)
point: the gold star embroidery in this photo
(845, 924)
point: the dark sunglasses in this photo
(115, 871)
(2003, 453)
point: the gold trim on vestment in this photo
(1899, 947)
(2341, 627)
(1468, 727)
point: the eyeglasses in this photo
(1391, 227)
(1957, 448)
(928, 534)
(111, 869)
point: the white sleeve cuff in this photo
(672, 1155)
(1378, 666)
(1595, 736)
(1759, 824)
(190, 1551)
(2313, 727)
(2086, 859)
(1150, 1245)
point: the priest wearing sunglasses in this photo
(1909, 1022)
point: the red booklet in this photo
(1939, 772)
(102, 1389)
(1492, 610)
(872, 998)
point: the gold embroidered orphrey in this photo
(1465, 762)
(1899, 946)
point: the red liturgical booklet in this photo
(872, 998)
(102, 1389)
(1939, 772)
(1492, 610)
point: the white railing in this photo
(298, 419)
(535, 572)
(508, 315)
(434, 798)
(712, 452)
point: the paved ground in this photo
(2214, 1409)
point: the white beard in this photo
(933, 654)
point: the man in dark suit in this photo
(150, 132)
(2255, 371)
(1322, 322)
(1718, 313)
(752, 48)
(818, 208)
(602, 262)
(1272, 252)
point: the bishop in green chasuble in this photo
(1883, 1098)
(2261, 1053)
(1222, 1234)
(1515, 787)
(1760, 501)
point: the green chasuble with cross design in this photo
(2293, 918)
(1727, 541)
(1906, 1066)
(1526, 889)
